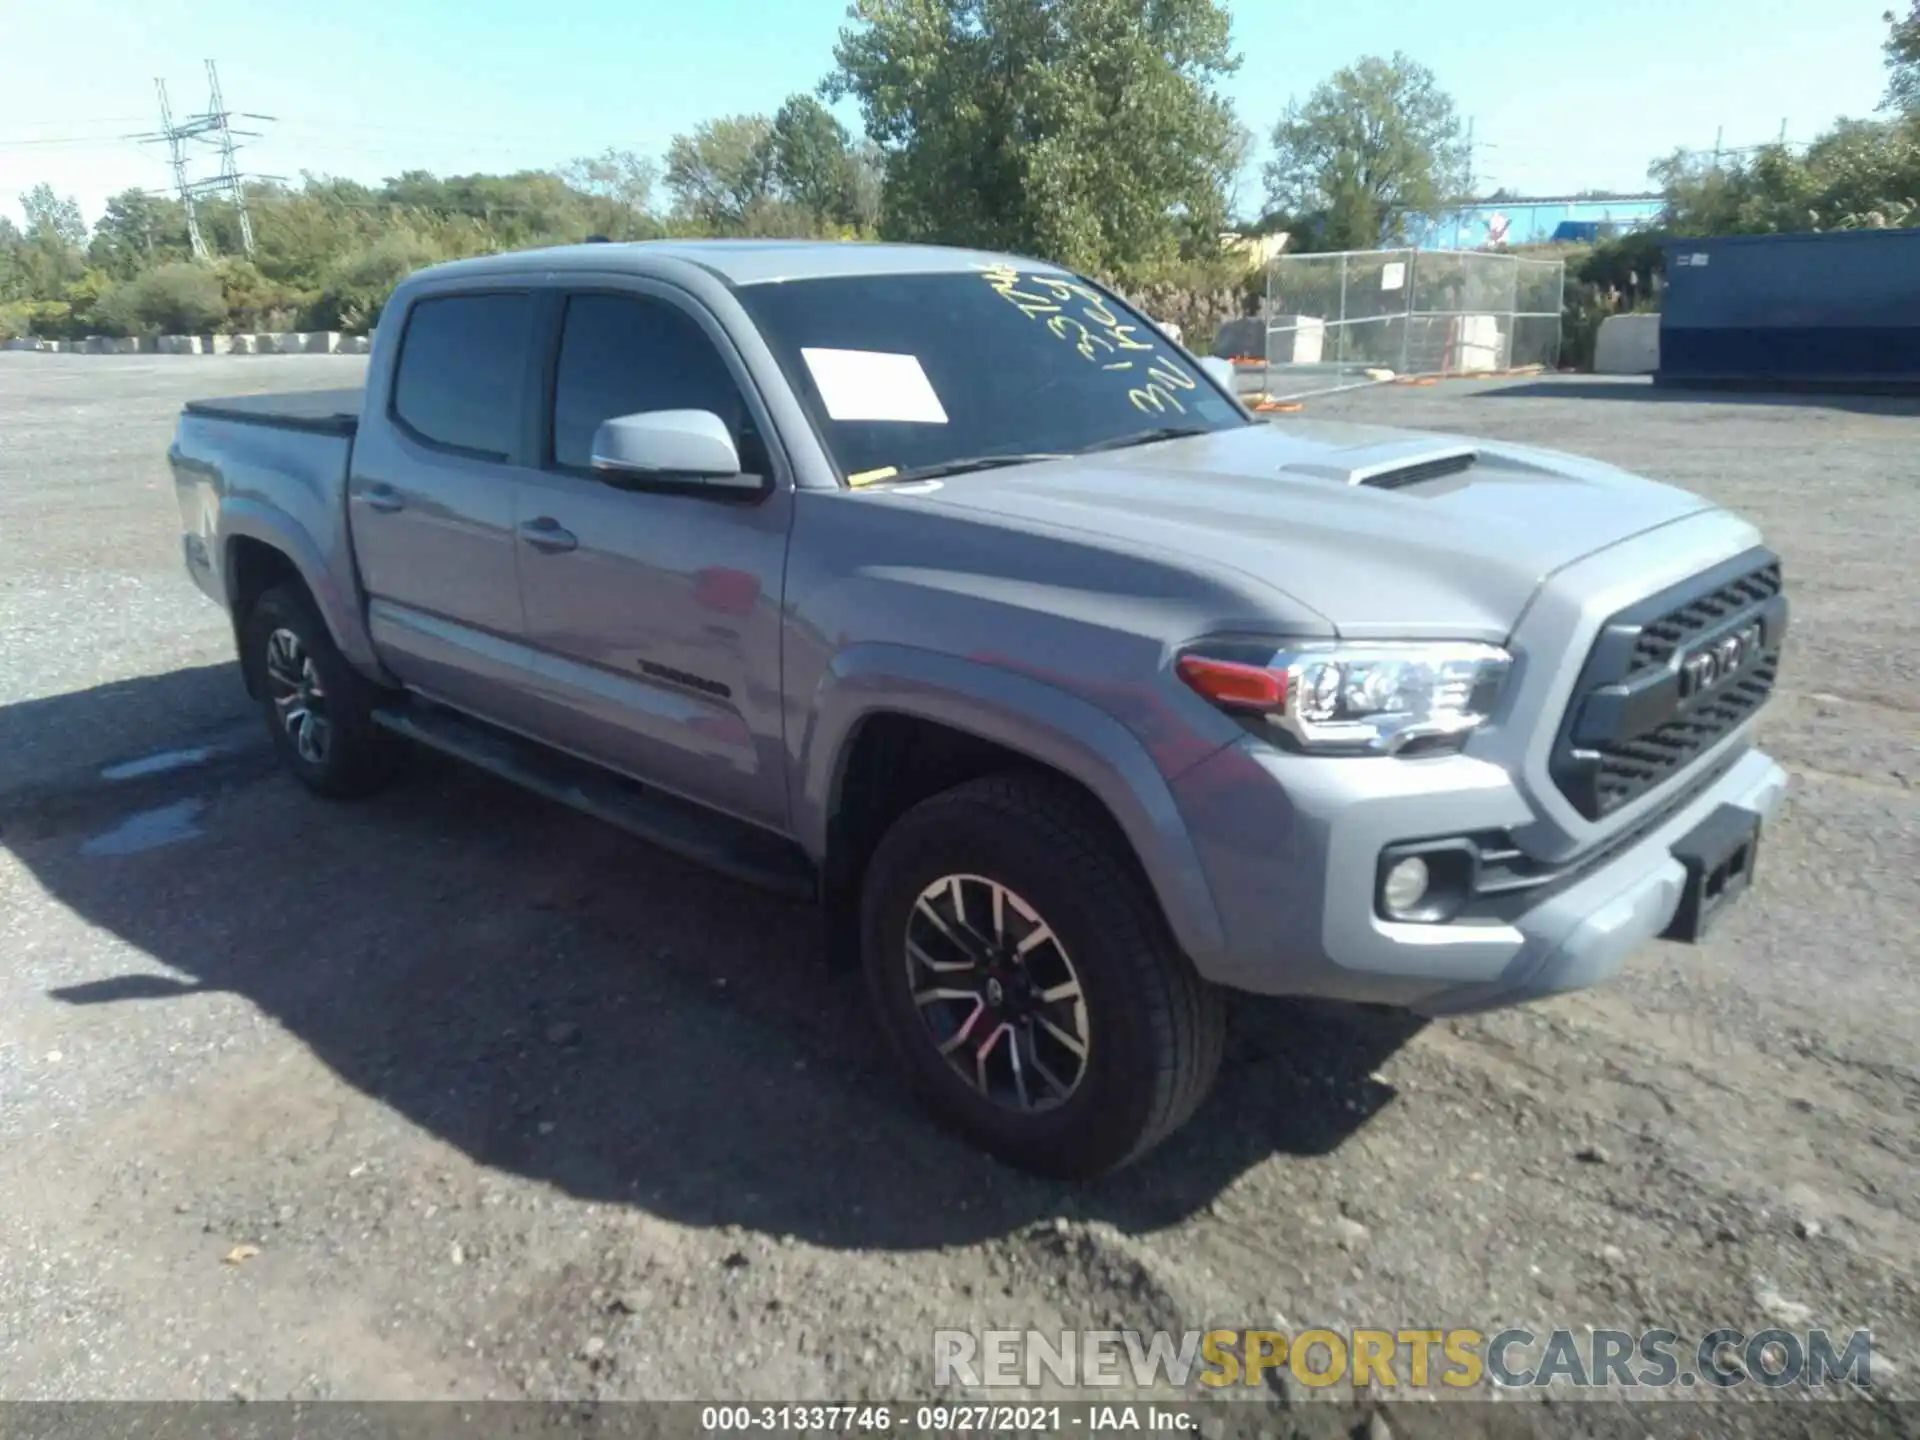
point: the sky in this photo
(1562, 97)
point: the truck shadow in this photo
(560, 1001)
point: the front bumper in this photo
(1291, 848)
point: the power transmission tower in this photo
(176, 138)
(229, 170)
(213, 127)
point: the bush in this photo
(177, 299)
(357, 285)
(48, 319)
(1197, 295)
(253, 301)
(83, 298)
(1632, 264)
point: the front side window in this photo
(914, 372)
(463, 362)
(623, 354)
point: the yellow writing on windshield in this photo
(1079, 315)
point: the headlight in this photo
(1366, 699)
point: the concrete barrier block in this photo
(92, 345)
(147, 345)
(216, 344)
(1627, 345)
(323, 342)
(241, 345)
(354, 344)
(1294, 340)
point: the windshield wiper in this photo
(969, 463)
(1146, 437)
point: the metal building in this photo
(1839, 309)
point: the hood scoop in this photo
(1390, 466)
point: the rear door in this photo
(431, 499)
(656, 611)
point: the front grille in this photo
(1630, 768)
(1662, 637)
(1631, 726)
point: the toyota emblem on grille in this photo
(1718, 661)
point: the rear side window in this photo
(622, 354)
(463, 362)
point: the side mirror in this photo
(684, 446)
(1220, 370)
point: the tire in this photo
(1151, 1031)
(324, 733)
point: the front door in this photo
(656, 613)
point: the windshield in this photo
(910, 373)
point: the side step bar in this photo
(730, 846)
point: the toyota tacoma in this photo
(945, 590)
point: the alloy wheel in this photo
(293, 684)
(997, 992)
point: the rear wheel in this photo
(318, 708)
(1027, 983)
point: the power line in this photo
(97, 141)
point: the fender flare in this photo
(1023, 714)
(253, 519)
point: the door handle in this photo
(546, 535)
(384, 498)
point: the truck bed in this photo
(330, 412)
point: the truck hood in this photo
(1382, 532)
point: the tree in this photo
(52, 218)
(13, 271)
(136, 231)
(1903, 61)
(1085, 131)
(1377, 143)
(722, 171)
(812, 163)
(51, 257)
(620, 183)
(1854, 172)
(358, 284)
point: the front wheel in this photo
(1027, 983)
(318, 708)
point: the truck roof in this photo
(748, 262)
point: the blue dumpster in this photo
(1833, 310)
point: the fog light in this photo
(1405, 886)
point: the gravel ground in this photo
(456, 1094)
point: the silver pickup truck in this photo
(943, 589)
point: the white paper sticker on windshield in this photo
(1394, 276)
(873, 385)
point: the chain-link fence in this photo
(1345, 318)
